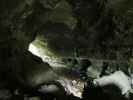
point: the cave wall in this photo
(94, 29)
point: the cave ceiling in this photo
(94, 29)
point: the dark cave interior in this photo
(66, 49)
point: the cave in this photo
(66, 49)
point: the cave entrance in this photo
(71, 84)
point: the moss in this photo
(42, 45)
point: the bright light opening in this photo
(71, 86)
